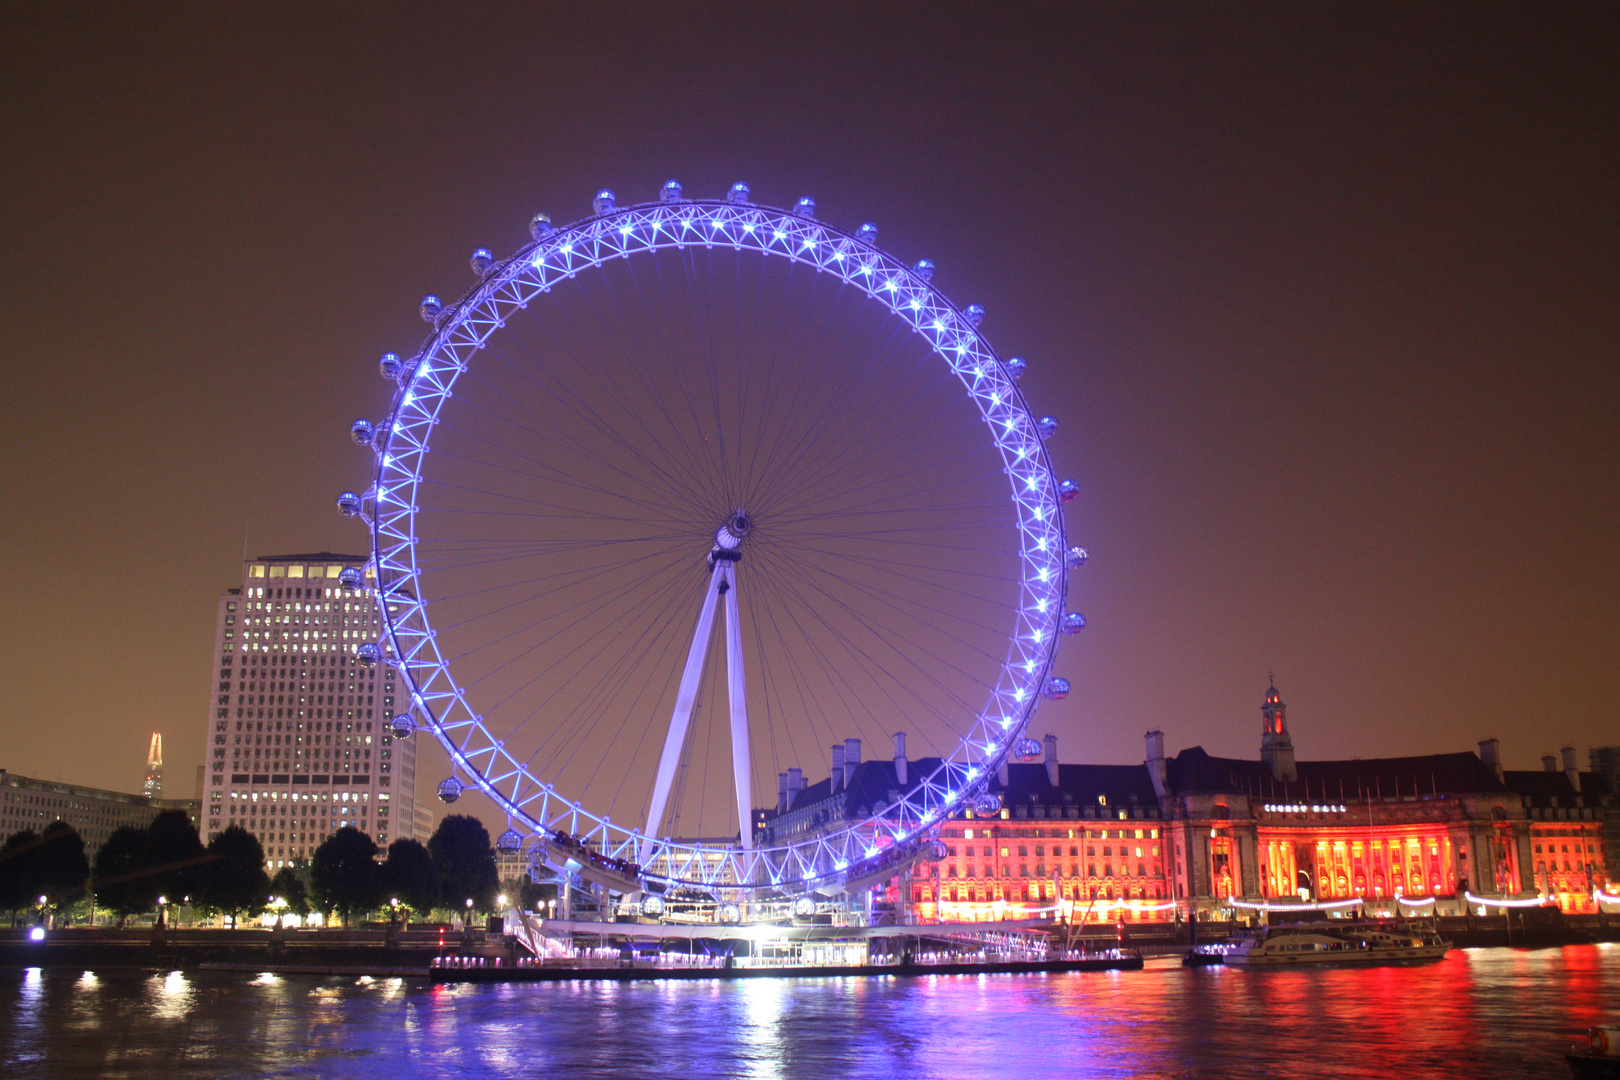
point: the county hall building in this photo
(1193, 832)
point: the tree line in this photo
(139, 871)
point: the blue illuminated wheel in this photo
(681, 494)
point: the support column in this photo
(737, 685)
(685, 698)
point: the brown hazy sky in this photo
(1325, 295)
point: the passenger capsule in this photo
(604, 201)
(1075, 558)
(431, 307)
(987, 804)
(804, 907)
(540, 225)
(924, 269)
(974, 314)
(360, 432)
(1073, 623)
(937, 851)
(481, 261)
(350, 577)
(1015, 368)
(805, 208)
(348, 504)
(368, 654)
(510, 840)
(738, 195)
(867, 234)
(402, 726)
(652, 906)
(730, 913)
(1056, 689)
(670, 192)
(1068, 490)
(1046, 427)
(1028, 750)
(389, 365)
(450, 790)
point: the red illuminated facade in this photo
(1151, 842)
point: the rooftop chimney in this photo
(837, 768)
(795, 782)
(1570, 770)
(781, 792)
(900, 759)
(1156, 767)
(852, 754)
(1490, 754)
(1549, 763)
(1051, 760)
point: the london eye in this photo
(676, 497)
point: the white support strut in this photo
(741, 760)
(682, 716)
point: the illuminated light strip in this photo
(1332, 905)
(1128, 905)
(1415, 903)
(1504, 903)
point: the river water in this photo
(1477, 1013)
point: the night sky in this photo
(1324, 295)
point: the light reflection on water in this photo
(1478, 1013)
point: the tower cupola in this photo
(1276, 747)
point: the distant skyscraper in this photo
(153, 788)
(298, 738)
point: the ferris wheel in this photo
(688, 416)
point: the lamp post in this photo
(163, 904)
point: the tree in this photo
(233, 881)
(174, 855)
(17, 858)
(288, 887)
(49, 864)
(465, 860)
(409, 877)
(343, 874)
(122, 882)
(60, 865)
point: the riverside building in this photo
(298, 742)
(94, 813)
(1225, 836)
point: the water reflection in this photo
(1477, 1013)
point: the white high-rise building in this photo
(298, 732)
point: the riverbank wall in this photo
(417, 948)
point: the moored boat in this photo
(1336, 943)
(1601, 1058)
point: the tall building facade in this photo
(298, 741)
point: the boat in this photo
(1204, 956)
(1600, 1059)
(1336, 944)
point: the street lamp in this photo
(163, 903)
